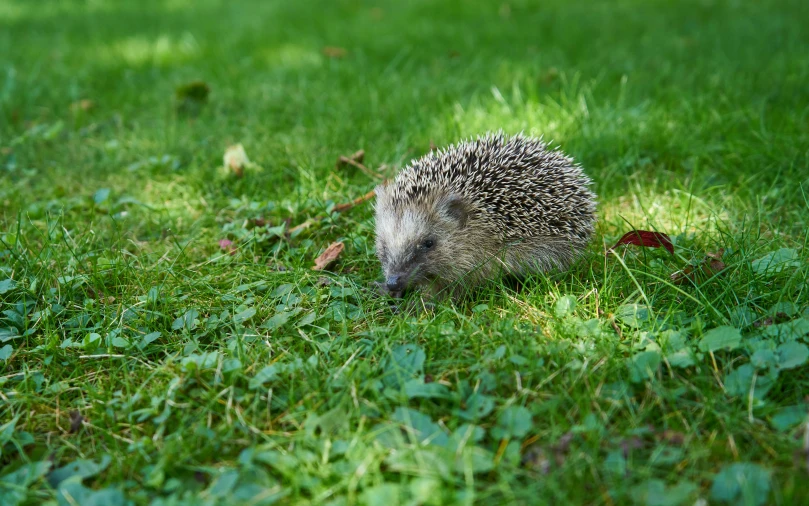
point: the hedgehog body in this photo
(467, 213)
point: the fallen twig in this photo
(302, 226)
(357, 201)
(355, 161)
(338, 208)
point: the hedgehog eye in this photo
(429, 243)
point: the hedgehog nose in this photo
(394, 283)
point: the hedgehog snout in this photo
(399, 277)
(395, 283)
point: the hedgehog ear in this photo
(456, 209)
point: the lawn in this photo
(164, 339)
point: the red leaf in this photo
(647, 239)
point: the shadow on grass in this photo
(643, 94)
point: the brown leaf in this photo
(766, 322)
(632, 443)
(76, 421)
(564, 442)
(257, 222)
(781, 317)
(705, 269)
(672, 437)
(561, 448)
(329, 256)
(535, 457)
(647, 239)
(686, 274)
(277, 266)
(334, 52)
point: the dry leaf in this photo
(334, 51)
(236, 159)
(328, 256)
(256, 222)
(647, 239)
(76, 421)
(631, 443)
(705, 269)
(535, 457)
(201, 477)
(672, 437)
(766, 322)
(277, 266)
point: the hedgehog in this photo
(460, 216)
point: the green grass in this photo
(245, 378)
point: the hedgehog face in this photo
(413, 241)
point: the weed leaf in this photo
(742, 483)
(776, 262)
(724, 337)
